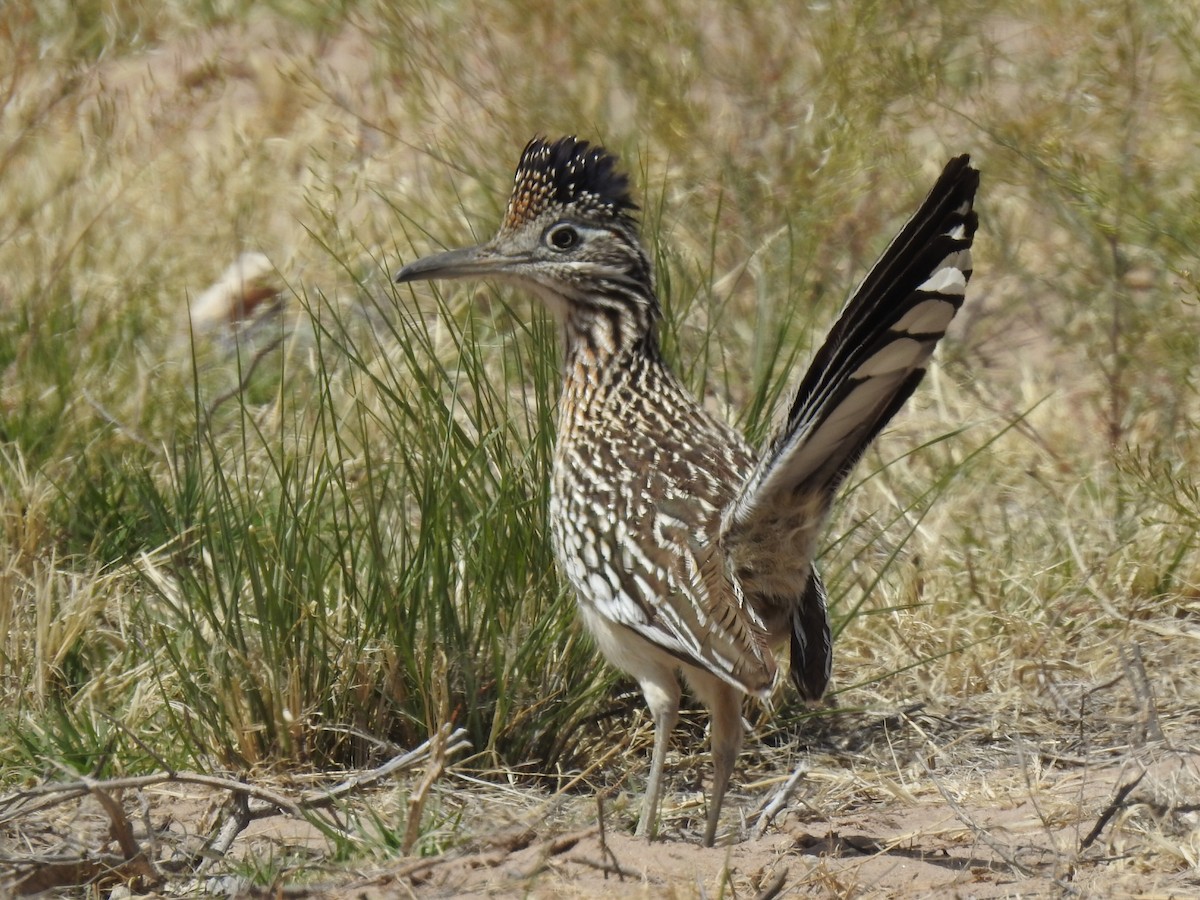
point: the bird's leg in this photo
(725, 706)
(662, 696)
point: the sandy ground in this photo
(965, 819)
(932, 847)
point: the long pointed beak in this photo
(469, 262)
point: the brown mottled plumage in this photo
(688, 551)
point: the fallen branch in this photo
(779, 800)
(235, 823)
(56, 793)
(1111, 810)
(450, 745)
(242, 812)
(271, 802)
(137, 864)
(496, 849)
(608, 868)
(248, 802)
(132, 867)
(772, 888)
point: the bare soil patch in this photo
(924, 806)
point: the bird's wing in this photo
(873, 359)
(658, 570)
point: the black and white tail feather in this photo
(873, 359)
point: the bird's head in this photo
(570, 236)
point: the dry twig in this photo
(606, 852)
(1143, 690)
(780, 799)
(1111, 810)
(248, 802)
(772, 888)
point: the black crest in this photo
(568, 173)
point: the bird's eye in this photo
(562, 237)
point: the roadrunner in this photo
(689, 551)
